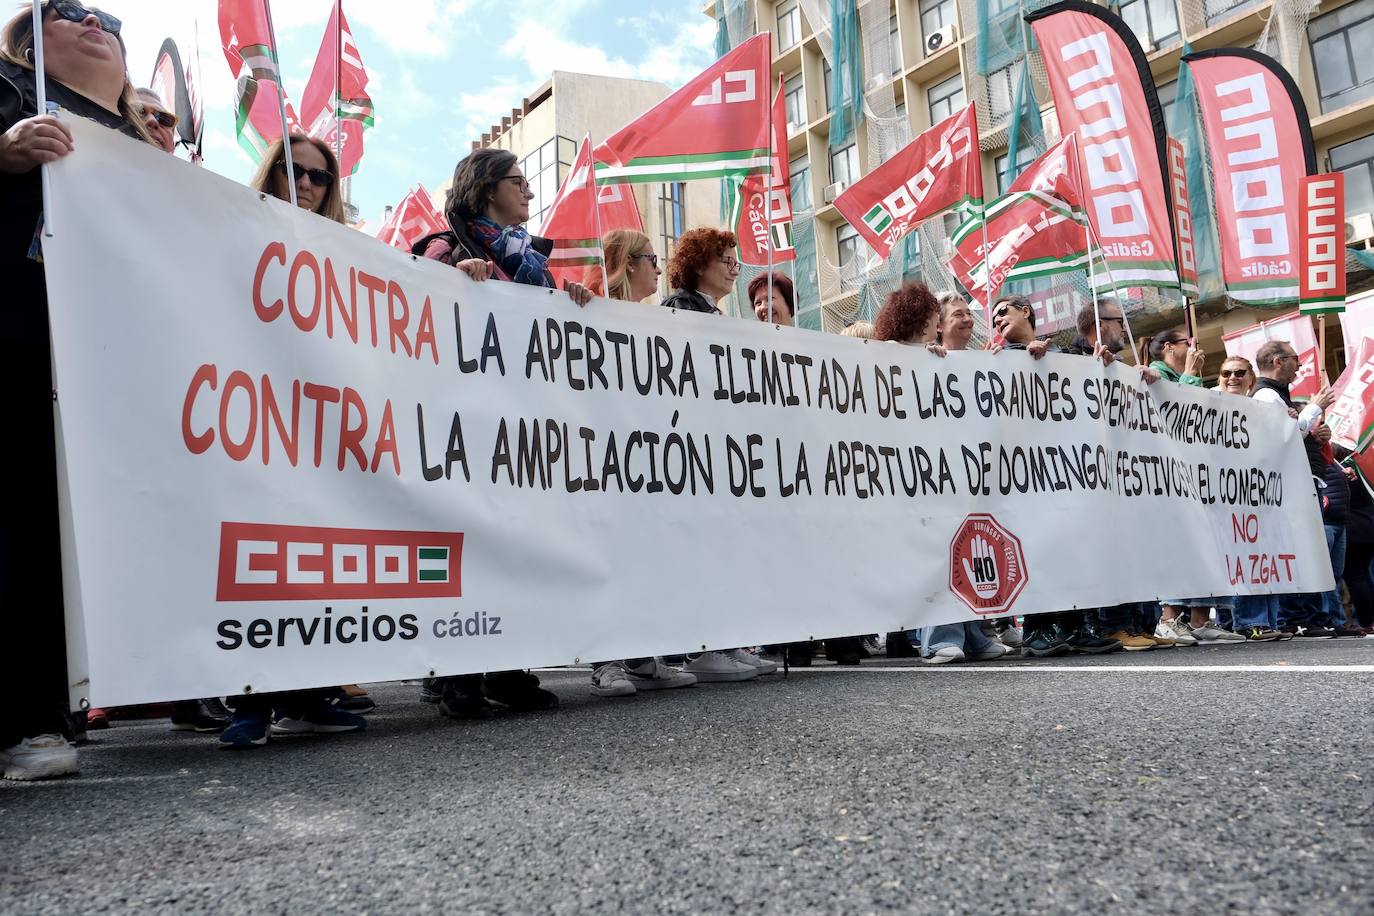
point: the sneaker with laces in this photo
(945, 655)
(1045, 642)
(1261, 634)
(1132, 642)
(246, 730)
(1011, 637)
(994, 650)
(1316, 632)
(656, 674)
(1209, 634)
(462, 698)
(39, 757)
(762, 665)
(199, 716)
(431, 691)
(718, 667)
(318, 718)
(519, 691)
(610, 680)
(1088, 640)
(1176, 630)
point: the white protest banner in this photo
(338, 463)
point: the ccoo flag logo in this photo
(259, 562)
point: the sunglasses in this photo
(75, 12)
(650, 257)
(1234, 373)
(164, 118)
(1001, 311)
(320, 178)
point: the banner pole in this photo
(281, 105)
(1092, 271)
(987, 279)
(1321, 350)
(41, 87)
(768, 204)
(596, 218)
(1125, 322)
(338, 84)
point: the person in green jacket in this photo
(1176, 359)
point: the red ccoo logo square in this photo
(296, 563)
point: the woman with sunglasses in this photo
(632, 264)
(1176, 359)
(315, 176)
(1237, 376)
(85, 70)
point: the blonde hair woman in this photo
(632, 264)
(316, 176)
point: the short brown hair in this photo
(1268, 352)
(906, 312)
(783, 286)
(475, 178)
(694, 252)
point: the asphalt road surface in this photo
(1150, 782)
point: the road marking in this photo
(838, 669)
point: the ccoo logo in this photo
(987, 567)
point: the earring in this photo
(28, 55)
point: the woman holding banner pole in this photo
(82, 57)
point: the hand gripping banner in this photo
(1103, 89)
(716, 126)
(938, 171)
(1261, 148)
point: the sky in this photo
(440, 71)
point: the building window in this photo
(800, 171)
(544, 169)
(1218, 10)
(844, 164)
(825, 82)
(945, 98)
(894, 46)
(1168, 95)
(1155, 22)
(672, 201)
(846, 243)
(1356, 160)
(1024, 157)
(1344, 74)
(789, 25)
(795, 100)
(1001, 92)
(935, 15)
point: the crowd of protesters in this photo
(486, 211)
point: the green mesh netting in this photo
(1001, 34)
(846, 76)
(1025, 131)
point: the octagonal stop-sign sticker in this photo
(987, 567)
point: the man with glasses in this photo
(1257, 616)
(160, 122)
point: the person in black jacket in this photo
(702, 270)
(1359, 551)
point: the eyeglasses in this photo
(1116, 318)
(648, 256)
(730, 263)
(1176, 340)
(320, 178)
(75, 12)
(1002, 310)
(1286, 357)
(1234, 373)
(164, 118)
(519, 181)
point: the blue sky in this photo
(441, 71)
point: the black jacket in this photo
(689, 300)
(465, 247)
(1333, 490)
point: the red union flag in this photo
(413, 219)
(940, 170)
(252, 57)
(1102, 89)
(262, 562)
(716, 126)
(329, 105)
(1183, 220)
(1296, 329)
(1321, 244)
(1351, 415)
(575, 228)
(1261, 147)
(764, 202)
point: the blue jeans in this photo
(1135, 617)
(1323, 608)
(1256, 611)
(967, 636)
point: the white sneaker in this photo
(1212, 634)
(655, 674)
(995, 650)
(945, 655)
(875, 645)
(40, 757)
(711, 667)
(611, 680)
(1177, 630)
(1011, 637)
(752, 659)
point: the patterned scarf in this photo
(510, 248)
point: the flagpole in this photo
(338, 84)
(987, 280)
(1125, 322)
(281, 105)
(768, 205)
(596, 218)
(1092, 272)
(41, 86)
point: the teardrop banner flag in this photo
(574, 224)
(1103, 89)
(1321, 244)
(1260, 145)
(716, 126)
(763, 205)
(938, 171)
